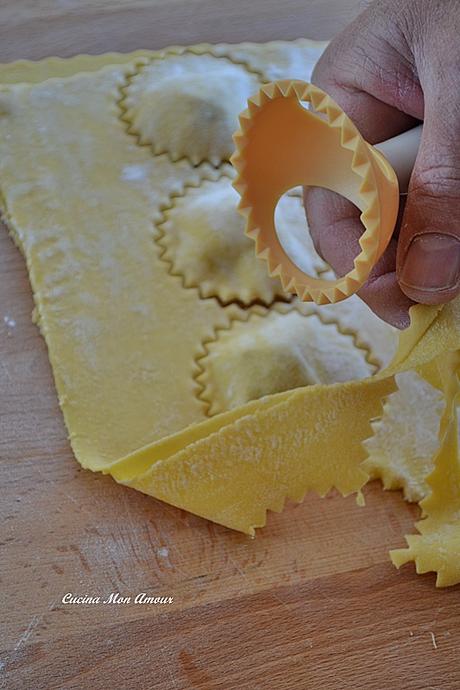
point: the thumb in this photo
(428, 259)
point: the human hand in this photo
(396, 64)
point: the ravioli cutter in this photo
(292, 134)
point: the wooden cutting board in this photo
(312, 602)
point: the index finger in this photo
(335, 227)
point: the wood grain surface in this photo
(311, 603)
(36, 28)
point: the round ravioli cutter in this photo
(282, 144)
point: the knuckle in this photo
(440, 180)
(372, 55)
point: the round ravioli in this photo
(188, 105)
(204, 240)
(275, 352)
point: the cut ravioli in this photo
(204, 241)
(403, 445)
(188, 105)
(277, 351)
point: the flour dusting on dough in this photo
(402, 447)
(133, 173)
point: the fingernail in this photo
(432, 263)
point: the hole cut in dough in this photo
(276, 351)
(188, 105)
(204, 240)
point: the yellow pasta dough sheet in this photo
(182, 369)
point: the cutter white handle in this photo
(401, 152)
